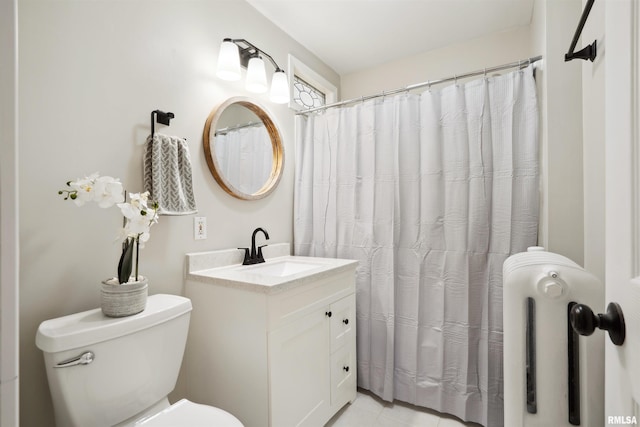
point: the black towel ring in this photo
(162, 118)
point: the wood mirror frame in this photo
(276, 144)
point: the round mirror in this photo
(243, 149)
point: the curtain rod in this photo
(517, 64)
(237, 127)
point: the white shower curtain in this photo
(245, 157)
(431, 193)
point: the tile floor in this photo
(370, 411)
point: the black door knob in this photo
(585, 322)
(327, 313)
(345, 321)
(346, 368)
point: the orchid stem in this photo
(137, 254)
(124, 218)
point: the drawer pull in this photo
(346, 368)
(327, 313)
(345, 321)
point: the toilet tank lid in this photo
(91, 327)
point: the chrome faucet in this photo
(255, 257)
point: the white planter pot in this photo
(123, 300)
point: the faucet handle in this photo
(260, 256)
(247, 257)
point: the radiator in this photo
(553, 377)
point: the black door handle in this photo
(585, 322)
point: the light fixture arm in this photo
(250, 51)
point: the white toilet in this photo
(105, 371)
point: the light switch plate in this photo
(200, 228)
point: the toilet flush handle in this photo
(84, 359)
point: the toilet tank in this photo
(134, 364)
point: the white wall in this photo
(8, 216)
(560, 88)
(593, 119)
(539, 44)
(476, 54)
(562, 192)
(91, 72)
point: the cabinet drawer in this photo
(343, 321)
(301, 300)
(343, 376)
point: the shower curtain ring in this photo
(455, 79)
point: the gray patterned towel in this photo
(167, 174)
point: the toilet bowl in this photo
(186, 413)
(106, 371)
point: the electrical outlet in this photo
(200, 228)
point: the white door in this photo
(622, 372)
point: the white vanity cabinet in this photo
(274, 356)
(312, 364)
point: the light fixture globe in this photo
(256, 76)
(279, 88)
(229, 61)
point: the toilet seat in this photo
(188, 414)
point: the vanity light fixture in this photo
(235, 53)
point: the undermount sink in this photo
(281, 268)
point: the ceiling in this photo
(351, 35)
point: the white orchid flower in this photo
(144, 237)
(84, 188)
(107, 191)
(139, 217)
(139, 200)
(136, 226)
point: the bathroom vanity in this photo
(273, 343)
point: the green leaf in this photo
(126, 261)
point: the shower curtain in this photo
(430, 193)
(245, 156)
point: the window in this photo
(306, 95)
(308, 88)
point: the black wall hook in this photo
(161, 117)
(589, 52)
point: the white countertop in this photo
(247, 277)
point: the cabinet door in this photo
(299, 372)
(343, 322)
